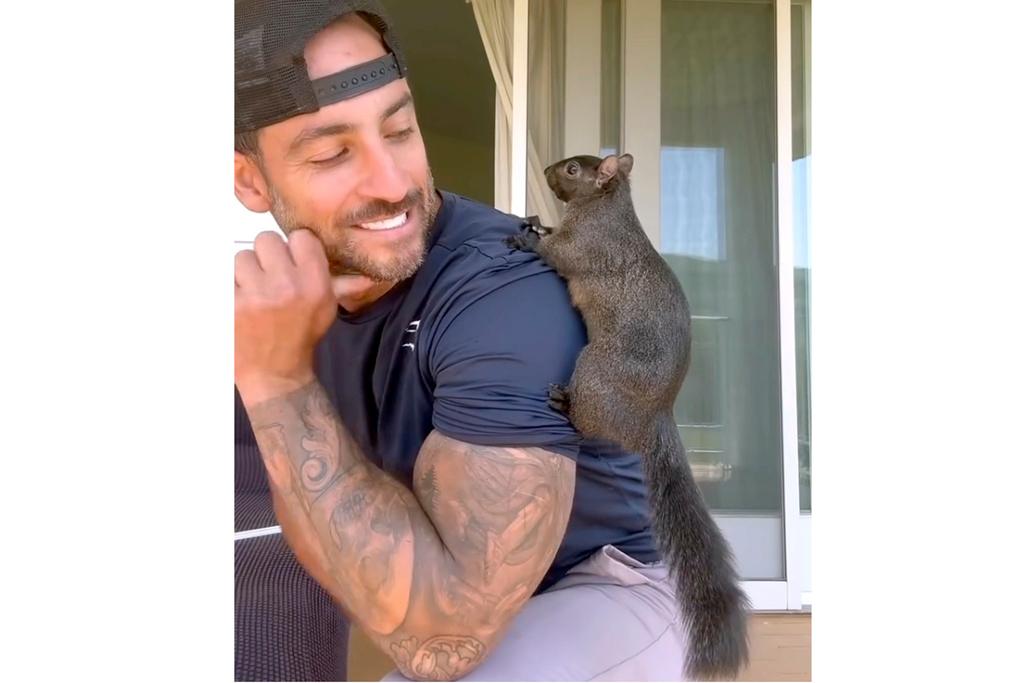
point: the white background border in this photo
(117, 341)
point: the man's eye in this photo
(334, 158)
(401, 134)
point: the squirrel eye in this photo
(572, 169)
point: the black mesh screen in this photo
(287, 628)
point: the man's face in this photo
(355, 172)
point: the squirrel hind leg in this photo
(598, 410)
(558, 397)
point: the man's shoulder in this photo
(475, 229)
(472, 275)
(471, 259)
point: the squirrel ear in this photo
(607, 170)
(625, 164)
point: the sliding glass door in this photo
(691, 88)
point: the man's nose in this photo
(383, 178)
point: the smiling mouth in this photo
(386, 224)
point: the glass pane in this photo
(717, 209)
(611, 76)
(801, 45)
(718, 235)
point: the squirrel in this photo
(626, 381)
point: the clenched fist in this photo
(283, 306)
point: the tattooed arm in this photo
(433, 575)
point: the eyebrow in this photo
(311, 134)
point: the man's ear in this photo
(625, 165)
(607, 170)
(250, 186)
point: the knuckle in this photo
(305, 240)
(287, 291)
(267, 237)
(244, 306)
(267, 242)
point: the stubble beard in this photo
(344, 255)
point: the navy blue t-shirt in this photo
(468, 346)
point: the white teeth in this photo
(389, 224)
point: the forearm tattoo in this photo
(432, 575)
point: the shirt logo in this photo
(410, 331)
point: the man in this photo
(394, 358)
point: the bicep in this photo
(501, 513)
(493, 364)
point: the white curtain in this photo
(546, 120)
(494, 19)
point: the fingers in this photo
(247, 268)
(305, 246)
(308, 252)
(272, 252)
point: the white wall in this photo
(246, 224)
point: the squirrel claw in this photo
(558, 398)
(523, 241)
(533, 224)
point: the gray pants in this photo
(611, 618)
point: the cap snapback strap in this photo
(356, 80)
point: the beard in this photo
(345, 254)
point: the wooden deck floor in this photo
(780, 650)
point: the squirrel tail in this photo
(714, 607)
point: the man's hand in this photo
(284, 304)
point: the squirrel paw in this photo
(558, 398)
(533, 224)
(523, 241)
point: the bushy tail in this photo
(714, 607)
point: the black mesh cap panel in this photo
(271, 82)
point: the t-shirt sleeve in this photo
(493, 362)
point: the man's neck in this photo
(356, 292)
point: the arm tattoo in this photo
(318, 461)
(360, 518)
(442, 658)
(501, 514)
(432, 575)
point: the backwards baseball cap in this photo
(271, 81)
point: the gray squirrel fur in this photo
(625, 384)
